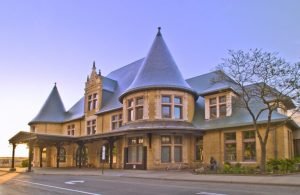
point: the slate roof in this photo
(53, 109)
(158, 70)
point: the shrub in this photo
(25, 163)
(281, 165)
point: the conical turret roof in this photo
(53, 109)
(158, 70)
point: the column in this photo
(111, 146)
(57, 155)
(29, 156)
(41, 156)
(13, 159)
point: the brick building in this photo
(147, 116)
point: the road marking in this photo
(73, 182)
(209, 193)
(67, 189)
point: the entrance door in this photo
(135, 155)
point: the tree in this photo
(261, 78)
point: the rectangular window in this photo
(139, 108)
(178, 153)
(217, 107)
(166, 111)
(230, 146)
(199, 149)
(135, 150)
(89, 102)
(130, 115)
(213, 112)
(165, 154)
(177, 140)
(178, 112)
(116, 121)
(91, 127)
(71, 129)
(249, 146)
(92, 101)
(166, 99)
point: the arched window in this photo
(62, 154)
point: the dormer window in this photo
(217, 106)
(92, 101)
(171, 107)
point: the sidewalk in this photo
(283, 180)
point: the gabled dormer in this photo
(93, 92)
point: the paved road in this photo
(106, 185)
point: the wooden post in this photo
(29, 156)
(13, 159)
(111, 146)
(80, 147)
(41, 156)
(57, 155)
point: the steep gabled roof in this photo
(158, 70)
(53, 109)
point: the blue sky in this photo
(42, 42)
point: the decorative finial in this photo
(99, 73)
(55, 84)
(94, 65)
(158, 33)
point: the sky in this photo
(48, 41)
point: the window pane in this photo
(130, 115)
(213, 112)
(140, 154)
(177, 140)
(139, 101)
(178, 112)
(249, 134)
(114, 125)
(139, 113)
(249, 151)
(177, 100)
(130, 103)
(222, 99)
(230, 136)
(165, 139)
(230, 152)
(212, 101)
(140, 140)
(165, 154)
(222, 110)
(166, 111)
(166, 99)
(177, 153)
(132, 154)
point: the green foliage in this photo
(25, 163)
(282, 166)
(237, 169)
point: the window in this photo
(71, 129)
(230, 146)
(249, 146)
(166, 106)
(116, 121)
(139, 108)
(217, 107)
(92, 101)
(177, 148)
(62, 155)
(199, 149)
(33, 128)
(213, 108)
(135, 150)
(167, 147)
(91, 127)
(171, 109)
(177, 107)
(135, 109)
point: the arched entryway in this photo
(83, 155)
